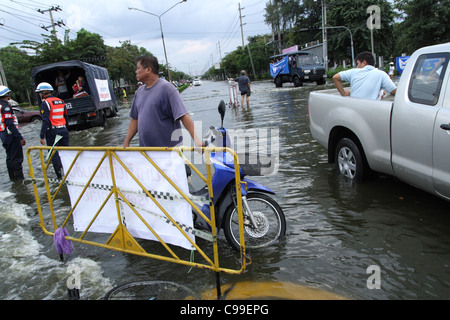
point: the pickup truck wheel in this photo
(349, 160)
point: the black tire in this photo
(297, 82)
(101, 118)
(320, 82)
(269, 216)
(278, 82)
(150, 290)
(349, 160)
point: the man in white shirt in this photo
(366, 81)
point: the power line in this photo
(23, 14)
(18, 17)
(19, 32)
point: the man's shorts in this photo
(243, 93)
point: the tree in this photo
(426, 22)
(17, 65)
(239, 59)
(310, 18)
(121, 61)
(353, 15)
(282, 16)
(88, 47)
(49, 51)
(292, 17)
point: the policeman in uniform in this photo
(11, 137)
(54, 122)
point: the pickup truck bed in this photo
(373, 130)
(406, 136)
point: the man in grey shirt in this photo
(244, 87)
(157, 110)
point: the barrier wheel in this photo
(150, 290)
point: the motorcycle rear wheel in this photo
(269, 217)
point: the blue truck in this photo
(297, 67)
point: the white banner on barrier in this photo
(107, 221)
(103, 89)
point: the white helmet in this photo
(44, 86)
(4, 91)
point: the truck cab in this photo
(94, 104)
(297, 67)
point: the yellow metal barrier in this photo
(121, 239)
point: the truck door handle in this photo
(445, 126)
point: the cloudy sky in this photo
(196, 32)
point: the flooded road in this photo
(339, 235)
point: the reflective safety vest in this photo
(56, 107)
(7, 116)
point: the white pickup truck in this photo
(406, 136)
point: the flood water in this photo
(337, 232)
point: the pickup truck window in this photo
(427, 77)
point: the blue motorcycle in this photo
(264, 220)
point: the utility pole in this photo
(2, 72)
(242, 35)
(242, 30)
(220, 56)
(220, 51)
(324, 34)
(2, 76)
(59, 23)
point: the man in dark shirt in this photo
(11, 137)
(54, 123)
(244, 87)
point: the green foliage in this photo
(121, 61)
(416, 24)
(354, 16)
(426, 22)
(88, 47)
(332, 72)
(17, 66)
(239, 59)
(183, 87)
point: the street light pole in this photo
(343, 27)
(162, 34)
(351, 41)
